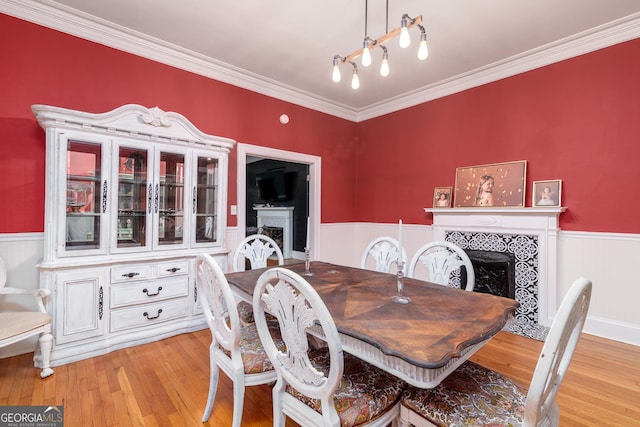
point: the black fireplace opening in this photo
(495, 273)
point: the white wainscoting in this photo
(608, 259)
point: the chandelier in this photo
(365, 52)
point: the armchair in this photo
(16, 326)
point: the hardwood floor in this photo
(165, 384)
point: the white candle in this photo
(400, 235)
(308, 233)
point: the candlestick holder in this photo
(307, 263)
(399, 298)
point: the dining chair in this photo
(257, 249)
(16, 326)
(443, 261)
(477, 396)
(384, 252)
(234, 349)
(318, 386)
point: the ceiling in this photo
(284, 48)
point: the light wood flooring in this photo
(165, 384)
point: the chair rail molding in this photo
(540, 222)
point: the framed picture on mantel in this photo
(546, 193)
(442, 197)
(497, 185)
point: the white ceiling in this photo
(284, 48)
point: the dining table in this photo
(422, 341)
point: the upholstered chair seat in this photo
(364, 393)
(471, 396)
(245, 311)
(254, 358)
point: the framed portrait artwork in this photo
(442, 197)
(497, 185)
(546, 193)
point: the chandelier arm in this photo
(411, 22)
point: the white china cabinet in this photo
(132, 196)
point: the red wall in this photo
(42, 66)
(576, 121)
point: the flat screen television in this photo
(276, 185)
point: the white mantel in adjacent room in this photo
(540, 222)
(279, 217)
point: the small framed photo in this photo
(546, 193)
(498, 185)
(442, 197)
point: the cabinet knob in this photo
(173, 269)
(130, 275)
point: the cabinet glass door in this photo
(170, 198)
(134, 194)
(83, 198)
(205, 202)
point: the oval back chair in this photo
(384, 252)
(318, 386)
(234, 348)
(257, 248)
(443, 261)
(478, 396)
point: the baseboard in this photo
(613, 330)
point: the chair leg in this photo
(213, 386)
(278, 415)
(404, 417)
(238, 399)
(42, 356)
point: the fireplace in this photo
(496, 249)
(495, 273)
(527, 234)
(276, 233)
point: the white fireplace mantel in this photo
(280, 217)
(541, 222)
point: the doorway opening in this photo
(248, 154)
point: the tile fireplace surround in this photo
(531, 234)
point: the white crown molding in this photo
(85, 26)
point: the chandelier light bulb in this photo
(336, 74)
(384, 67)
(336, 69)
(366, 54)
(423, 50)
(405, 39)
(355, 81)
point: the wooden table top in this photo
(435, 327)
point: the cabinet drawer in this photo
(143, 292)
(130, 273)
(148, 314)
(173, 268)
